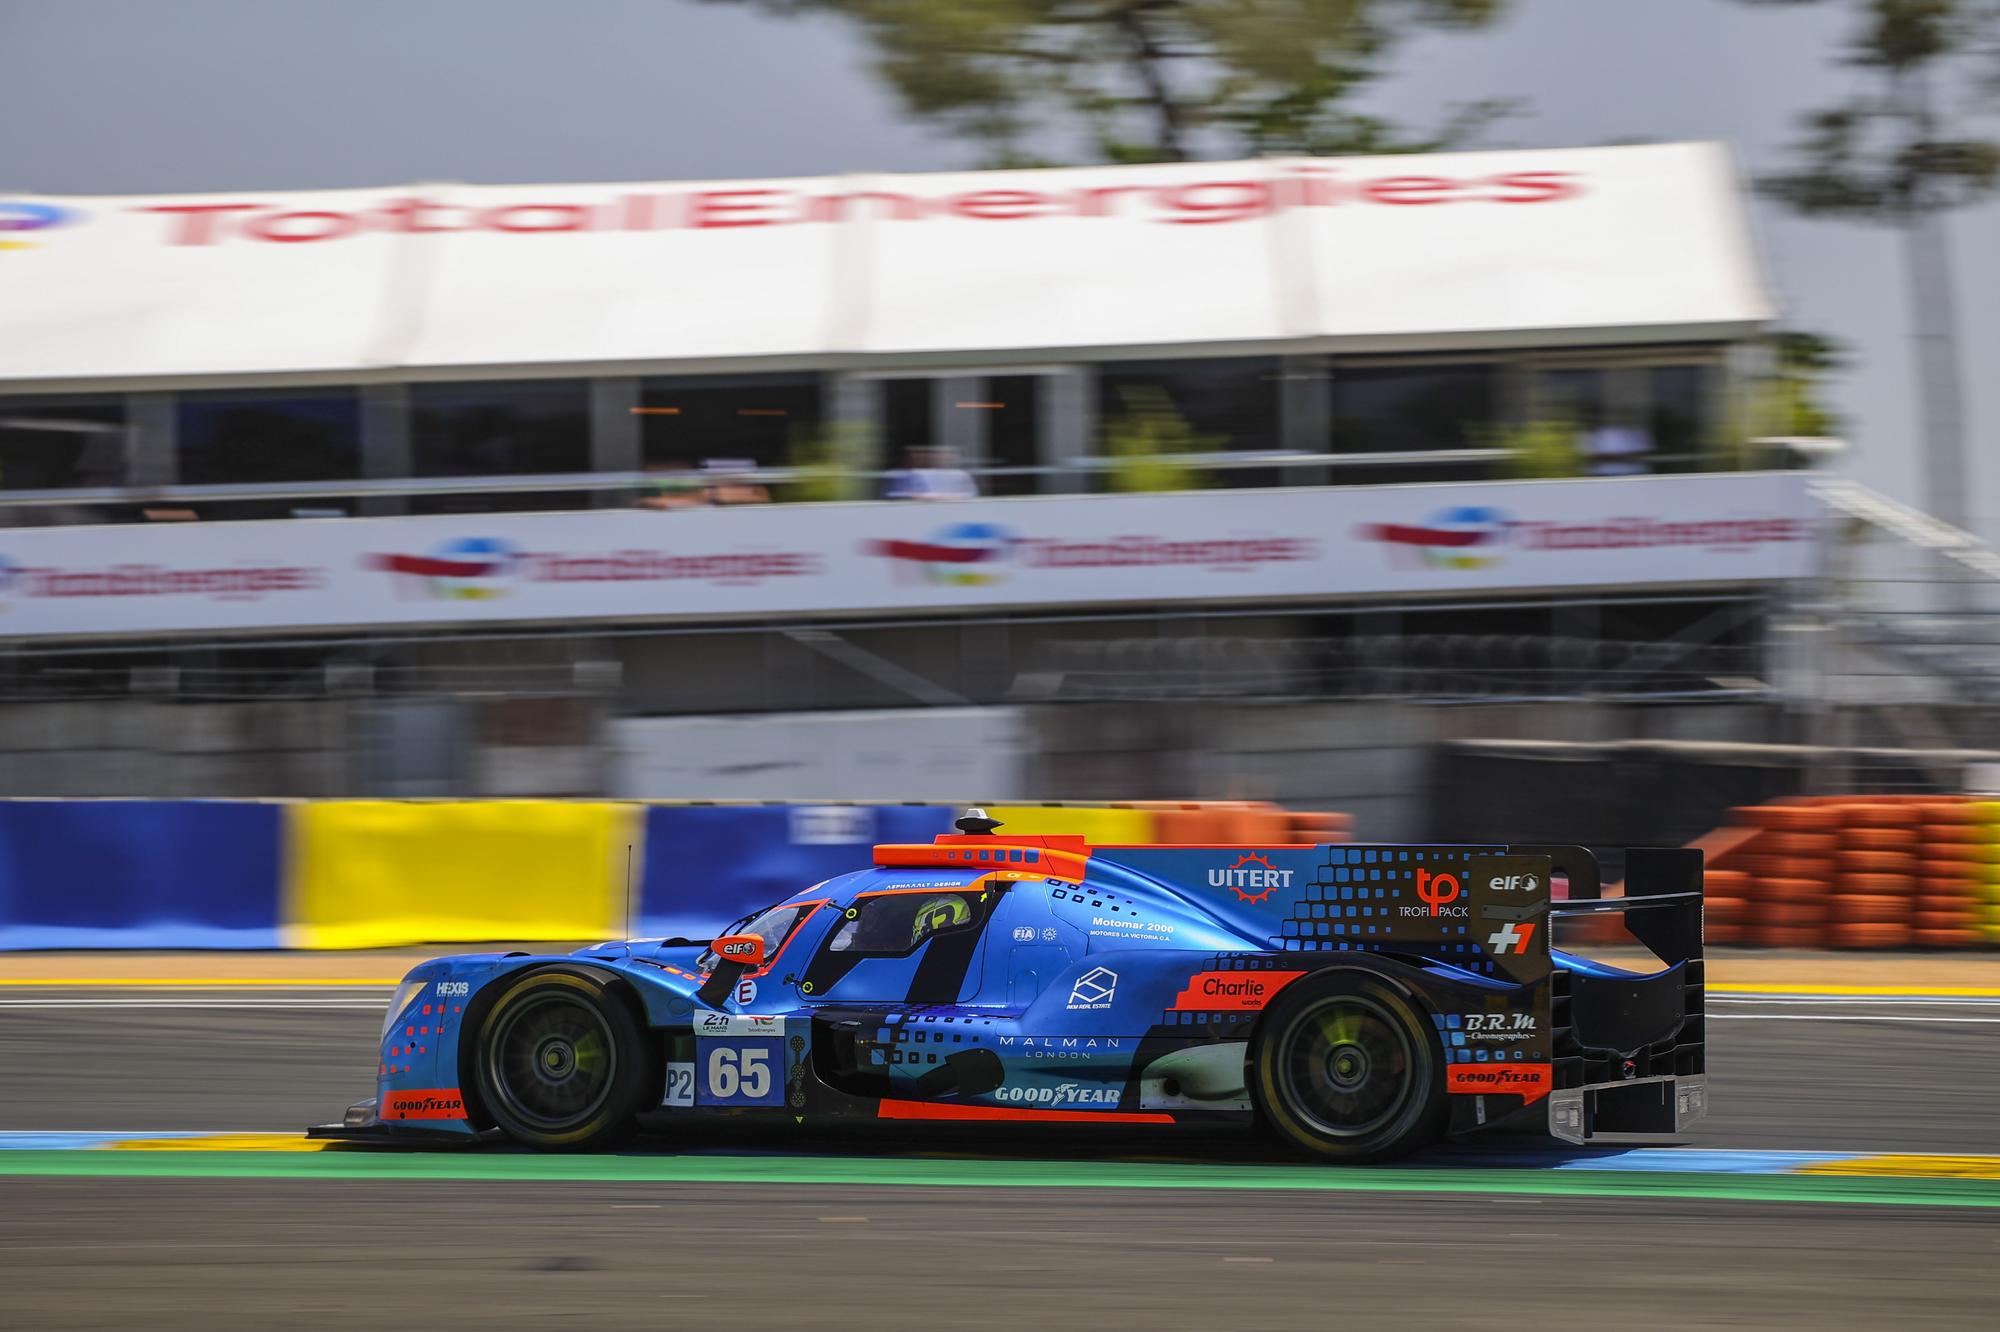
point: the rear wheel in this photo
(562, 1063)
(1345, 1068)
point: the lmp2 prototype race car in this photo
(1358, 1002)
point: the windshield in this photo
(771, 926)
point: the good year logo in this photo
(1063, 1093)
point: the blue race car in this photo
(1358, 1002)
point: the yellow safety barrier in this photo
(378, 874)
(1101, 827)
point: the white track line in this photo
(1856, 1001)
(1844, 1017)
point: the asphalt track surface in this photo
(948, 1233)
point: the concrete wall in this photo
(900, 754)
(302, 747)
(1369, 757)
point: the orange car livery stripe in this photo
(946, 1111)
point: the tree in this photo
(1898, 152)
(1791, 401)
(1153, 80)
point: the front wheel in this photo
(562, 1063)
(1345, 1068)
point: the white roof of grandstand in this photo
(1523, 247)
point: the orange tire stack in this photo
(1313, 827)
(1790, 871)
(1726, 906)
(1946, 913)
(1241, 823)
(1875, 894)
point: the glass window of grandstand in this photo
(523, 428)
(701, 432)
(61, 443)
(1152, 414)
(908, 420)
(271, 438)
(1414, 408)
(1010, 410)
(1625, 420)
(1682, 410)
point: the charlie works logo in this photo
(462, 569)
(961, 555)
(1467, 537)
(19, 221)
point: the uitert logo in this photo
(461, 569)
(1465, 537)
(19, 220)
(961, 555)
(1239, 878)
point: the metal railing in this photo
(1072, 473)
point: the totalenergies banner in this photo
(1549, 245)
(811, 560)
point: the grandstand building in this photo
(1419, 424)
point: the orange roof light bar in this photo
(1060, 857)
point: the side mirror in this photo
(746, 950)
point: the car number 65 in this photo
(741, 1073)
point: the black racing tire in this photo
(561, 1063)
(1346, 1068)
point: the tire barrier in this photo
(1859, 872)
(344, 874)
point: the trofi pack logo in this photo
(961, 555)
(461, 569)
(1466, 537)
(19, 221)
(6, 579)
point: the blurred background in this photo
(1536, 420)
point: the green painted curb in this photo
(984, 1173)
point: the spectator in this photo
(672, 486)
(1618, 446)
(930, 474)
(733, 481)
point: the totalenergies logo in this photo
(962, 555)
(462, 569)
(19, 221)
(1467, 537)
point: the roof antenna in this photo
(975, 823)
(631, 908)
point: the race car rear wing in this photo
(1629, 1046)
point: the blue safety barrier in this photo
(708, 865)
(139, 874)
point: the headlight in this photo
(406, 994)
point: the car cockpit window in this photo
(898, 923)
(773, 927)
